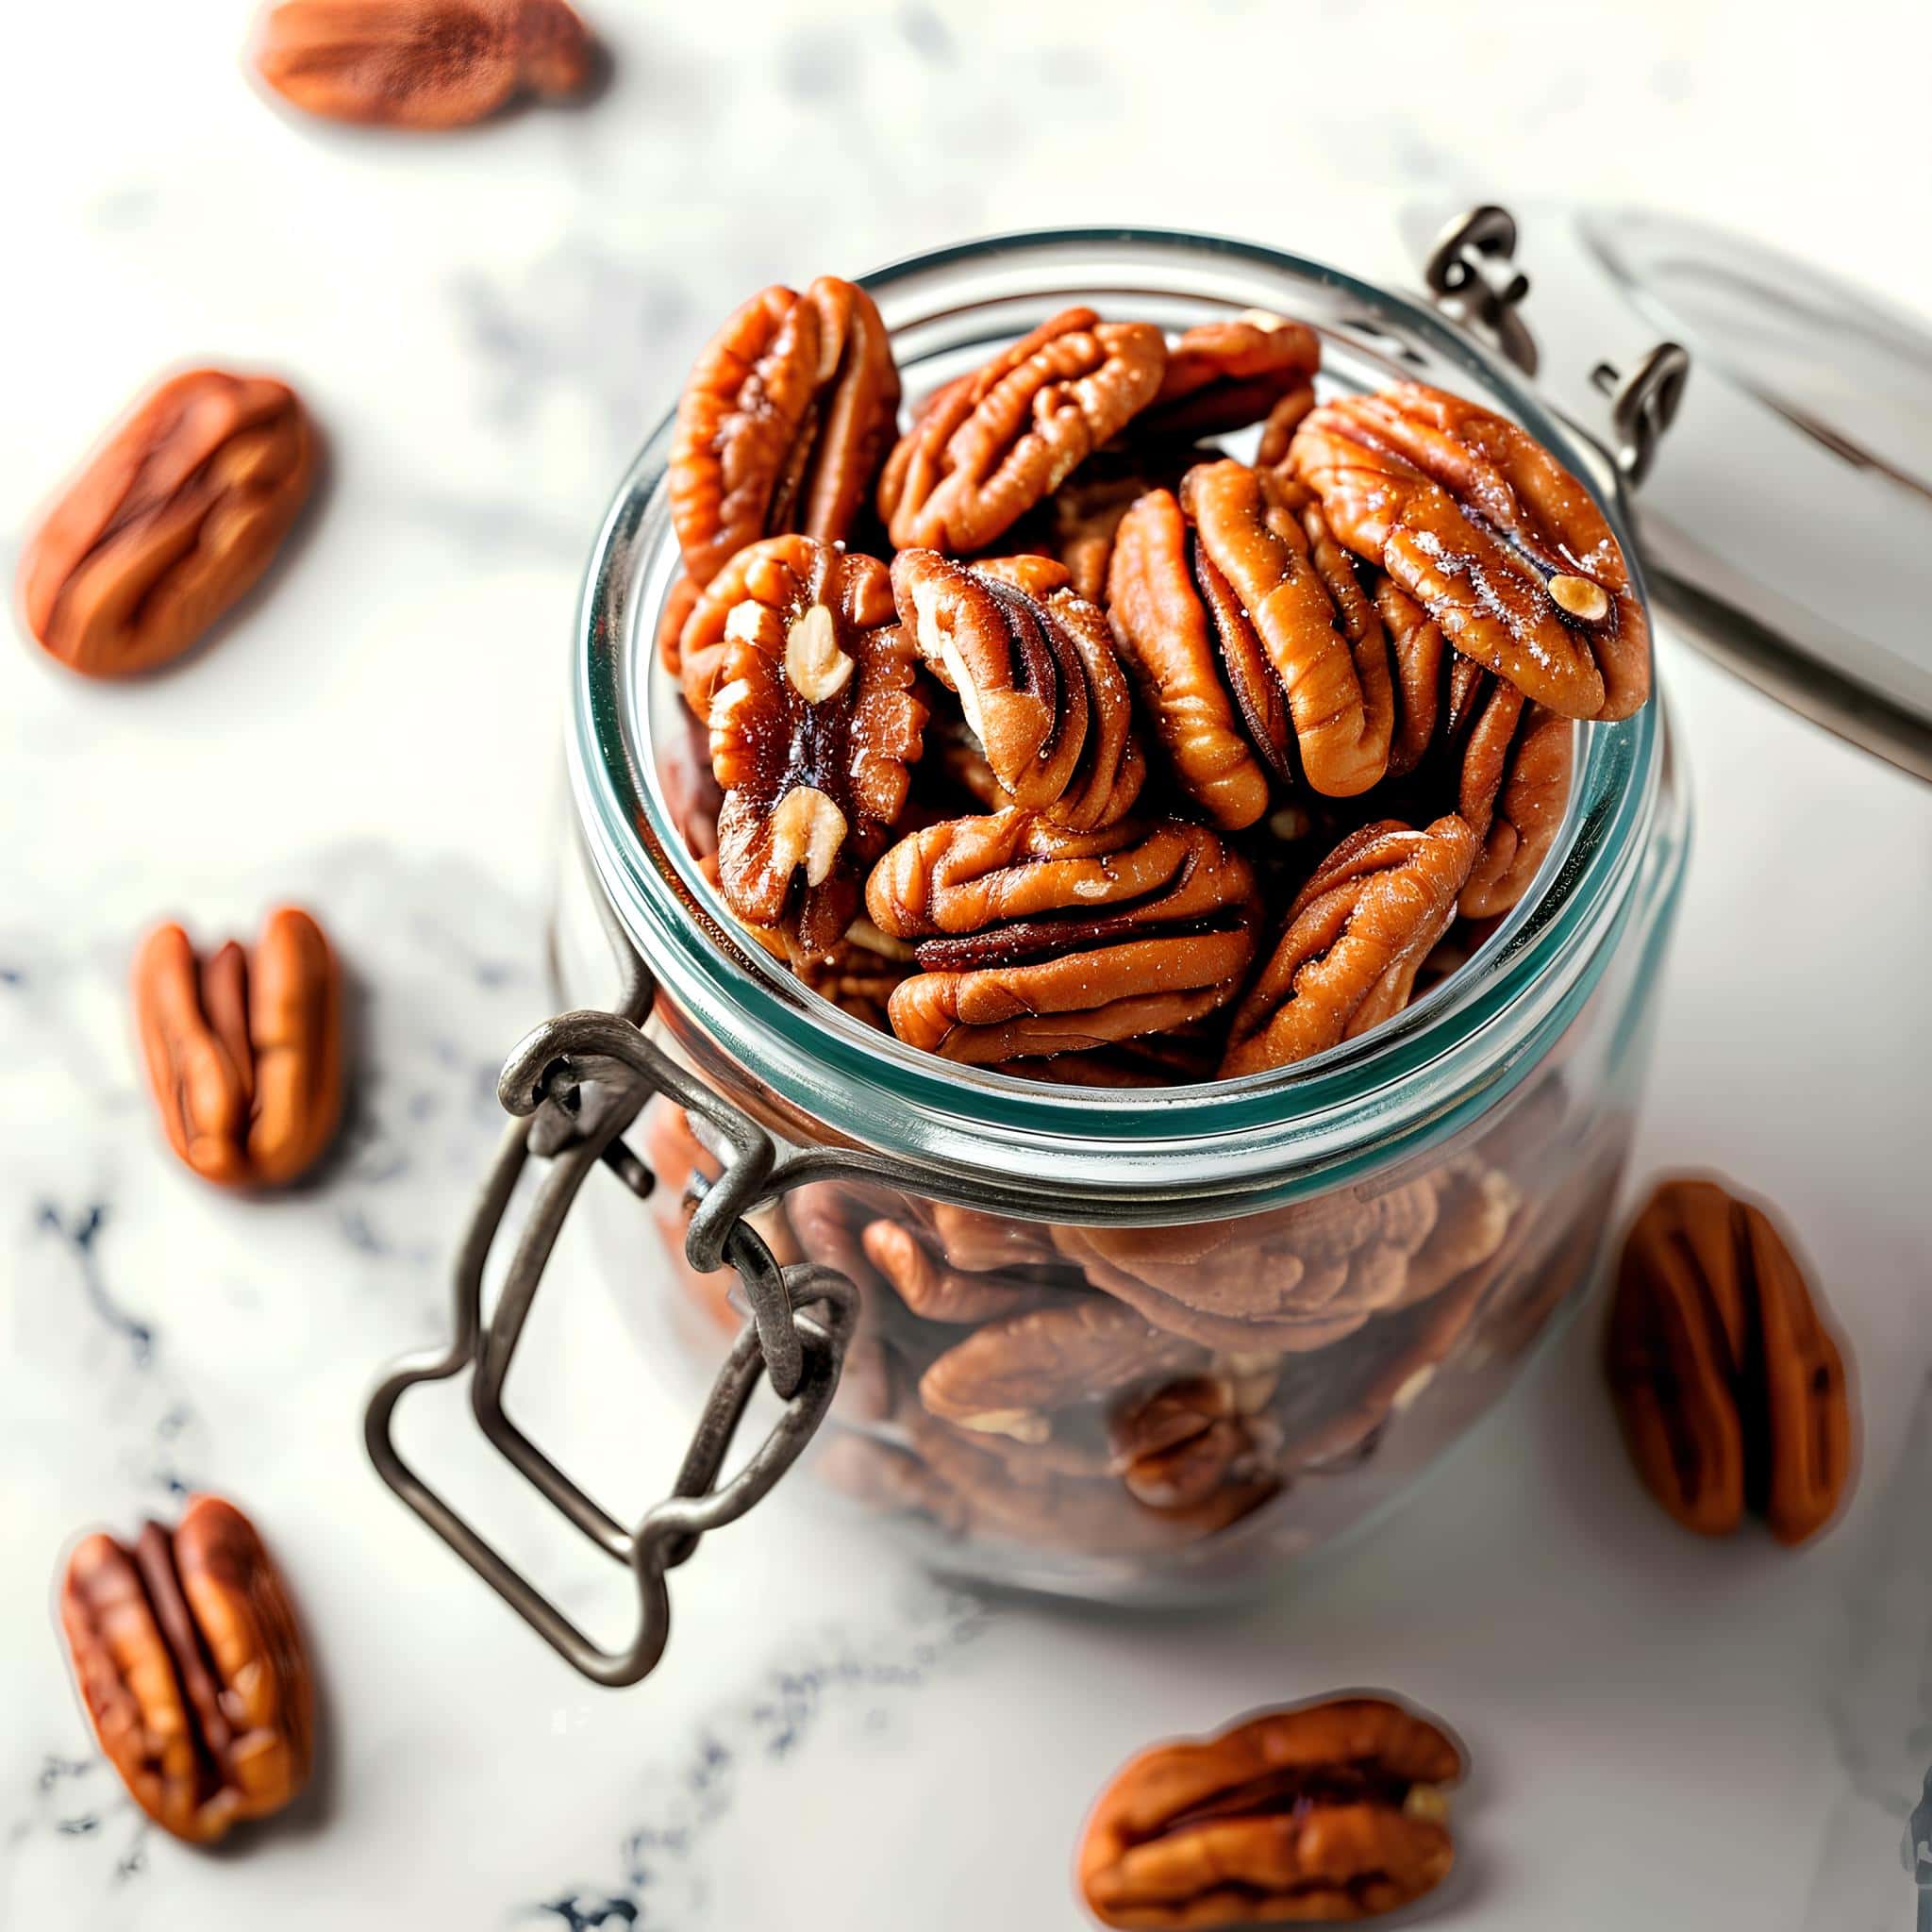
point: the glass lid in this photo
(1787, 519)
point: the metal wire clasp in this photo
(575, 1085)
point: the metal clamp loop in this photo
(1471, 273)
(576, 1084)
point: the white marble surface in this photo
(1665, 1734)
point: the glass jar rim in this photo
(1107, 1151)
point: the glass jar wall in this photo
(1138, 1345)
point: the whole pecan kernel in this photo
(782, 422)
(1011, 1376)
(1731, 1391)
(1222, 375)
(420, 64)
(1478, 523)
(244, 1051)
(168, 523)
(933, 1288)
(186, 1654)
(1174, 1448)
(1034, 938)
(1508, 761)
(1033, 665)
(992, 445)
(1262, 661)
(813, 729)
(1335, 1810)
(1355, 936)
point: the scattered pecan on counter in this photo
(1331, 1811)
(1034, 938)
(169, 523)
(782, 423)
(1261, 660)
(422, 64)
(1032, 663)
(1730, 1387)
(186, 1656)
(1503, 547)
(814, 727)
(994, 442)
(244, 1050)
(1355, 936)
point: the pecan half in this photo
(422, 63)
(1355, 936)
(1222, 375)
(168, 523)
(861, 973)
(1332, 1810)
(932, 1288)
(1009, 1377)
(244, 1050)
(1175, 1447)
(992, 445)
(1077, 524)
(186, 1654)
(782, 422)
(1261, 660)
(1507, 762)
(1730, 1387)
(1034, 938)
(1478, 523)
(813, 727)
(1033, 665)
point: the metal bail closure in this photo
(576, 1084)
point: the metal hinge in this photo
(575, 1086)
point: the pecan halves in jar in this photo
(187, 1659)
(1033, 665)
(421, 64)
(1510, 761)
(1012, 1377)
(169, 523)
(1357, 935)
(1174, 1448)
(1262, 662)
(938, 1291)
(1730, 1389)
(244, 1050)
(782, 423)
(1222, 375)
(1500, 544)
(1335, 1810)
(992, 445)
(813, 727)
(1034, 938)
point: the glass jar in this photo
(1138, 1345)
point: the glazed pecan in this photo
(814, 727)
(170, 521)
(861, 973)
(1015, 1491)
(782, 422)
(1222, 375)
(420, 64)
(1355, 936)
(1033, 665)
(1729, 1386)
(1077, 524)
(1034, 938)
(1333, 1810)
(1259, 658)
(185, 1651)
(243, 1051)
(1478, 523)
(932, 1288)
(992, 445)
(1508, 761)
(1011, 1376)
(1175, 1447)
